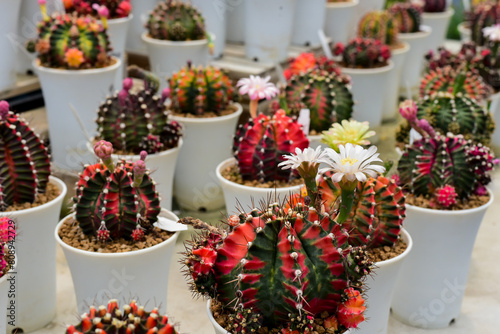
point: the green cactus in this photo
(175, 20)
(407, 16)
(379, 25)
(482, 16)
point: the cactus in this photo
(200, 90)
(307, 61)
(24, 160)
(379, 25)
(407, 16)
(137, 121)
(116, 201)
(175, 20)
(363, 53)
(116, 8)
(454, 81)
(273, 267)
(434, 6)
(326, 94)
(484, 15)
(378, 212)
(260, 144)
(72, 42)
(437, 161)
(132, 319)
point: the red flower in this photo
(350, 313)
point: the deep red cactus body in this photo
(260, 144)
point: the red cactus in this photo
(351, 311)
(446, 196)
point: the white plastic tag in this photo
(305, 120)
(324, 44)
(414, 136)
(169, 225)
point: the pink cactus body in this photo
(446, 196)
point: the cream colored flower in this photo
(353, 132)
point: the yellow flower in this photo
(353, 132)
(74, 58)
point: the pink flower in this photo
(257, 88)
(102, 11)
(4, 110)
(408, 109)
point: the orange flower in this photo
(74, 57)
(350, 313)
(331, 323)
(301, 64)
(42, 46)
(68, 4)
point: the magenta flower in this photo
(257, 88)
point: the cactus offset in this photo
(260, 144)
(136, 121)
(407, 16)
(434, 6)
(24, 160)
(114, 201)
(363, 53)
(116, 8)
(132, 319)
(175, 20)
(327, 95)
(281, 265)
(379, 25)
(200, 90)
(73, 42)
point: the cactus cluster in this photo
(260, 144)
(116, 201)
(137, 121)
(379, 25)
(326, 94)
(116, 8)
(132, 318)
(308, 61)
(434, 6)
(175, 20)
(482, 16)
(199, 90)
(279, 267)
(72, 42)
(407, 16)
(363, 53)
(24, 160)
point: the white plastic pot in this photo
(207, 142)
(238, 196)
(413, 64)
(310, 17)
(439, 23)
(465, 32)
(82, 89)
(391, 100)
(268, 29)
(495, 104)
(117, 31)
(340, 17)
(431, 285)
(9, 14)
(380, 289)
(369, 87)
(35, 277)
(7, 282)
(168, 57)
(141, 274)
(140, 12)
(235, 21)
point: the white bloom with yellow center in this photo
(353, 162)
(309, 155)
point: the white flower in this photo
(492, 33)
(257, 88)
(309, 155)
(353, 162)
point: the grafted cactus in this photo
(199, 90)
(379, 25)
(116, 8)
(116, 201)
(272, 268)
(24, 160)
(308, 61)
(408, 17)
(434, 6)
(72, 41)
(378, 211)
(260, 144)
(482, 16)
(175, 20)
(132, 319)
(137, 121)
(326, 94)
(363, 53)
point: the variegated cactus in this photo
(363, 53)
(407, 16)
(379, 25)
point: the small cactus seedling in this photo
(116, 201)
(435, 6)
(379, 25)
(72, 42)
(116, 8)
(132, 318)
(175, 20)
(24, 160)
(408, 17)
(483, 16)
(307, 61)
(363, 53)
(137, 121)
(200, 90)
(260, 144)
(326, 94)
